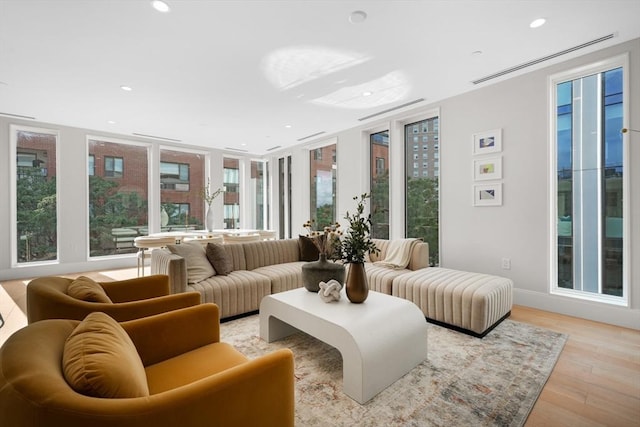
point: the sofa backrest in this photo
(236, 252)
(270, 252)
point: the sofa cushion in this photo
(198, 266)
(219, 259)
(192, 366)
(86, 289)
(308, 250)
(100, 360)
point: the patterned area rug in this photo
(465, 381)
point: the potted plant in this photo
(354, 247)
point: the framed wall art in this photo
(486, 168)
(487, 194)
(487, 142)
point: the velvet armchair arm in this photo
(138, 288)
(47, 299)
(167, 335)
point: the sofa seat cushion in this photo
(380, 278)
(471, 302)
(284, 277)
(192, 366)
(100, 360)
(239, 292)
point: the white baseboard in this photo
(598, 312)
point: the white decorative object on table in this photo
(330, 291)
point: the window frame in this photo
(13, 168)
(620, 61)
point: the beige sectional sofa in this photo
(266, 267)
(469, 302)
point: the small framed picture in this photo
(487, 195)
(487, 142)
(487, 168)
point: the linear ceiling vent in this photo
(311, 136)
(392, 109)
(236, 149)
(539, 60)
(156, 137)
(274, 148)
(17, 116)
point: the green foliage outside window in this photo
(422, 213)
(36, 216)
(111, 209)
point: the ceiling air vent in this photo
(311, 136)
(392, 109)
(162, 138)
(274, 148)
(236, 149)
(17, 116)
(539, 60)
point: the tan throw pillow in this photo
(219, 259)
(198, 266)
(308, 250)
(86, 289)
(100, 360)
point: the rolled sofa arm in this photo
(174, 266)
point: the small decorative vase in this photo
(209, 219)
(321, 271)
(356, 286)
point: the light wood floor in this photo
(596, 381)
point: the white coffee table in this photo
(380, 340)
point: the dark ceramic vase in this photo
(321, 271)
(356, 286)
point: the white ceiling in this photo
(235, 73)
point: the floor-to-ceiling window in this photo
(258, 193)
(284, 197)
(422, 171)
(118, 194)
(322, 192)
(590, 181)
(232, 192)
(182, 179)
(36, 235)
(379, 171)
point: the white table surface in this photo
(380, 340)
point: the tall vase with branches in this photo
(354, 247)
(208, 196)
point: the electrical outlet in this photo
(506, 264)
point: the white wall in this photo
(472, 238)
(477, 238)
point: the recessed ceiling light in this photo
(111, 122)
(357, 17)
(160, 6)
(367, 93)
(126, 88)
(287, 126)
(537, 23)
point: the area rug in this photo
(465, 381)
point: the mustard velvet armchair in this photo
(193, 379)
(47, 298)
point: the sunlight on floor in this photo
(14, 318)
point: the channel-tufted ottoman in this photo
(473, 303)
